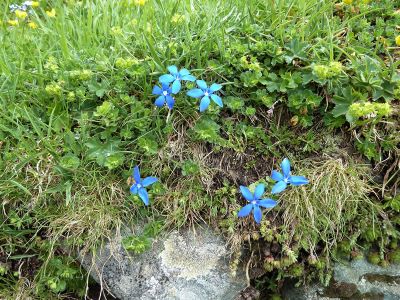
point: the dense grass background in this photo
(77, 114)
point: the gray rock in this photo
(370, 279)
(184, 265)
(355, 280)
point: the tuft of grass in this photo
(338, 194)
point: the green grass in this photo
(76, 114)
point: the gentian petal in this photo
(149, 180)
(285, 165)
(136, 174)
(215, 87)
(165, 86)
(245, 211)
(166, 78)
(204, 103)
(176, 87)
(278, 187)
(189, 78)
(184, 72)
(173, 70)
(160, 101)
(133, 189)
(144, 196)
(298, 180)
(257, 214)
(267, 203)
(157, 90)
(276, 176)
(259, 191)
(170, 101)
(246, 193)
(202, 84)
(195, 93)
(217, 100)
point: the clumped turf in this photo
(315, 81)
(324, 211)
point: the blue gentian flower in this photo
(255, 202)
(286, 178)
(139, 186)
(175, 77)
(205, 93)
(165, 95)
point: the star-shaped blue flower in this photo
(255, 202)
(175, 77)
(283, 180)
(139, 186)
(165, 95)
(205, 93)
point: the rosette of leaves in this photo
(107, 113)
(303, 102)
(106, 154)
(148, 144)
(206, 129)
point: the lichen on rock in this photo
(191, 258)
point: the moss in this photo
(393, 244)
(320, 265)
(384, 263)
(286, 261)
(374, 258)
(370, 234)
(394, 257)
(312, 260)
(356, 254)
(296, 270)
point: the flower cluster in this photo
(22, 13)
(171, 84)
(255, 199)
(255, 202)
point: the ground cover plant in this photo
(204, 96)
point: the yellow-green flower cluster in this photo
(20, 14)
(140, 2)
(51, 13)
(369, 110)
(133, 2)
(397, 40)
(116, 30)
(51, 64)
(53, 89)
(332, 70)
(81, 74)
(126, 63)
(71, 96)
(250, 63)
(177, 18)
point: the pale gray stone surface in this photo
(355, 280)
(184, 265)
